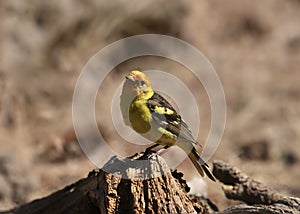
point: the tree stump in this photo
(123, 185)
(140, 185)
(143, 184)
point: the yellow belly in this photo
(140, 117)
(141, 121)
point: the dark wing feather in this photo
(171, 122)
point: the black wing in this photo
(172, 122)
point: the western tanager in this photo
(152, 116)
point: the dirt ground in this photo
(254, 47)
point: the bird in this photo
(152, 116)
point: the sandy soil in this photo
(255, 49)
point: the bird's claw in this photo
(148, 153)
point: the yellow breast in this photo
(140, 116)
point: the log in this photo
(258, 198)
(136, 185)
(145, 184)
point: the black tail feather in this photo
(200, 164)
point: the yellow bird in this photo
(152, 116)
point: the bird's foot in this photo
(159, 152)
(148, 153)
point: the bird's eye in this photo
(143, 82)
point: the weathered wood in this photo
(258, 197)
(140, 186)
(143, 184)
(71, 199)
(137, 185)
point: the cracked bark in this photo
(146, 185)
(258, 198)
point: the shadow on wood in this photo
(141, 184)
(122, 186)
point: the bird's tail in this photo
(200, 164)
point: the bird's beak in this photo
(130, 77)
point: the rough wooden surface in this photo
(134, 185)
(258, 197)
(142, 184)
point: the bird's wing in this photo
(166, 116)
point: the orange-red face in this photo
(138, 81)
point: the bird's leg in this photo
(149, 149)
(149, 152)
(162, 150)
(146, 154)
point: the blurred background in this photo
(255, 49)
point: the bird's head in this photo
(139, 82)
